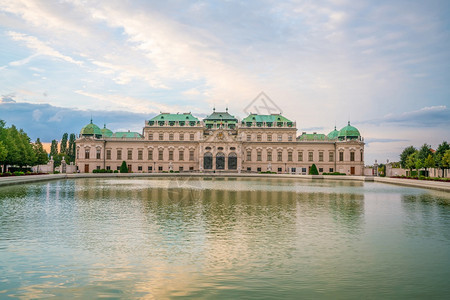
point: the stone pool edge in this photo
(435, 185)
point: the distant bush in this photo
(334, 173)
(116, 171)
(123, 167)
(55, 172)
(18, 173)
(267, 172)
(102, 171)
(313, 170)
(423, 178)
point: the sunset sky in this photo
(383, 65)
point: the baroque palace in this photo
(220, 143)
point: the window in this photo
(160, 154)
(150, 155)
(118, 168)
(170, 136)
(258, 169)
(130, 154)
(289, 156)
(191, 136)
(191, 155)
(269, 137)
(181, 155)
(269, 156)
(280, 156)
(98, 167)
(320, 170)
(290, 138)
(331, 156)
(303, 170)
(87, 153)
(300, 156)
(362, 156)
(341, 156)
(108, 168)
(119, 154)
(331, 170)
(258, 138)
(181, 169)
(191, 168)
(280, 170)
(150, 136)
(78, 153)
(280, 137)
(150, 168)
(320, 156)
(310, 156)
(161, 136)
(160, 168)
(170, 154)
(181, 136)
(258, 156)
(139, 168)
(108, 154)
(98, 153)
(249, 137)
(352, 156)
(249, 155)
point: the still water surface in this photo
(223, 238)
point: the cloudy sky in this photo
(383, 65)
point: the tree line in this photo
(424, 158)
(16, 148)
(66, 149)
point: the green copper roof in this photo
(220, 116)
(349, 132)
(266, 118)
(91, 129)
(311, 137)
(174, 117)
(127, 134)
(334, 134)
(106, 132)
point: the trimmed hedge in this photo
(102, 171)
(334, 173)
(423, 178)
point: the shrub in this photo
(313, 170)
(123, 167)
(56, 172)
(18, 173)
(334, 173)
(116, 171)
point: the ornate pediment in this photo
(220, 136)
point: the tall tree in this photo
(411, 162)
(3, 153)
(41, 154)
(429, 162)
(423, 154)
(439, 155)
(71, 149)
(54, 148)
(404, 156)
(63, 148)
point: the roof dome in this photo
(334, 134)
(349, 132)
(106, 132)
(90, 130)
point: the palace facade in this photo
(220, 143)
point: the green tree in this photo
(404, 156)
(29, 158)
(71, 149)
(313, 170)
(41, 154)
(446, 160)
(439, 155)
(411, 162)
(63, 147)
(54, 148)
(3, 153)
(123, 167)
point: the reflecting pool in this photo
(223, 238)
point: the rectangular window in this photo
(160, 155)
(280, 137)
(78, 153)
(290, 138)
(181, 136)
(320, 170)
(98, 154)
(249, 155)
(98, 167)
(150, 136)
(269, 137)
(130, 154)
(108, 154)
(139, 168)
(280, 156)
(118, 168)
(191, 155)
(170, 154)
(87, 153)
(269, 156)
(181, 169)
(331, 156)
(258, 138)
(160, 168)
(249, 137)
(280, 170)
(181, 155)
(108, 168)
(341, 156)
(300, 156)
(140, 151)
(119, 154)
(310, 156)
(289, 156)
(352, 156)
(258, 169)
(362, 156)
(249, 168)
(170, 136)
(303, 170)
(161, 136)
(320, 156)
(191, 136)
(150, 168)
(331, 170)
(130, 170)
(258, 156)
(150, 155)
